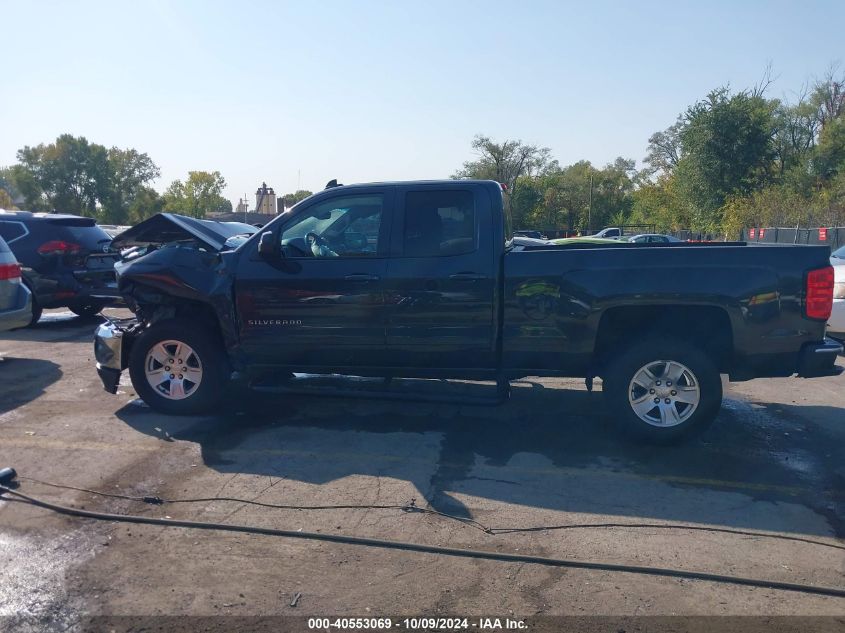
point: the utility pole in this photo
(590, 208)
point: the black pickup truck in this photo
(423, 279)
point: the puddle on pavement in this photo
(35, 575)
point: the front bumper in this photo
(817, 359)
(111, 350)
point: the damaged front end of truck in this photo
(173, 266)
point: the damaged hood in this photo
(164, 228)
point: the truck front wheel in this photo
(177, 367)
(663, 390)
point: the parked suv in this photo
(15, 299)
(67, 260)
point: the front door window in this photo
(341, 227)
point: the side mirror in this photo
(267, 246)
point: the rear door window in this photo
(439, 223)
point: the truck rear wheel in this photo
(663, 390)
(177, 367)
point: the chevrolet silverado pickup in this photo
(422, 279)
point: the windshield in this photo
(839, 253)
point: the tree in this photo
(146, 203)
(612, 188)
(795, 130)
(829, 96)
(70, 175)
(829, 157)
(129, 174)
(200, 194)
(664, 149)
(505, 162)
(8, 192)
(727, 150)
(6, 201)
(291, 199)
(523, 199)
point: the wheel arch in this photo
(152, 305)
(706, 327)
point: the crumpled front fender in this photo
(177, 274)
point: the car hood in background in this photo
(164, 228)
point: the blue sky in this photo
(364, 91)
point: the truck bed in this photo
(554, 317)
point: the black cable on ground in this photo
(432, 549)
(156, 500)
(411, 507)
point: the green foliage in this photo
(6, 201)
(664, 149)
(542, 195)
(146, 203)
(658, 203)
(200, 194)
(829, 157)
(727, 149)
(22, 182)
(524, 198)
(130, 171)
(733, 159)
(795, 130)
(291, 199)
(72, 175)
(506, 162)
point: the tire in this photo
(87, 310)
(671, 412)
(204, 360)
(36, 309)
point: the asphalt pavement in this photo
(759, 495)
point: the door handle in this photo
(361, 277)
(467, 277)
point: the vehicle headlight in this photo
(839, 290)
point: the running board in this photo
(502, 394)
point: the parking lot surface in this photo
(773, 465)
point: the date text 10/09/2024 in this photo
(414, 624)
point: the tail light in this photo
(10, 272)
(819, 293)
(59, 247)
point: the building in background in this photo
(242, 206)
(265, 200)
